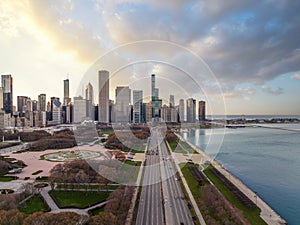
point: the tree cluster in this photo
(217, 210)
(14, 217)
(122, 142)
(171, 137)
(59, 140)
(77, 171)
(25, 136)
(116, 209)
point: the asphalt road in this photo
(162, 200)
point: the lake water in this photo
(266, 160)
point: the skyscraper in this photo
(156, 102)
(56, 111)
(21, 104)
(89, 96)
(1, 98)
(201, 111)
(80, 109)
(122, 109)
(103, 81)
(89, 93)
(137, 105)
(152, 87)
(42, 102)
(7, 85)
(172, 101)
(181, 110)
(67, 98)
(191, 110)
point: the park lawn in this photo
(133, 163)
(7, 178)
(173, 145)
(191, 181)
(86, 186)
(34, 204)
(78, 199)
(96, 211)
(182, 147)
(192, 210)
(252, 215)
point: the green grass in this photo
(96, 211)
(78, 199)
(7, 178)
(106, 132)
(88, 187)
(252, 215)
(133, 163)
(197, 222)
(191, 181)
(34, 204)
(182, 147)
(41, 179)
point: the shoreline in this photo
(267, 213)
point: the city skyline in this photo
(259, 74)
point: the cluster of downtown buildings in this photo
(40, 113)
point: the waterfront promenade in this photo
(267, 213)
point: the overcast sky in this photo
(250, 48)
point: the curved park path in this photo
(55, 209)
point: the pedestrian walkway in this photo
(55, 209)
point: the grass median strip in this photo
(252, 215)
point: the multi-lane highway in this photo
(150, 207)
(162, 200)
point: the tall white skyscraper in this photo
(80, 109)
(103, 86)
(172, 101)
(123, 108)
(137, 105)
(181, 110)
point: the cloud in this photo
(269, 90)
(244, 93)
(296, 76)
(239, 41)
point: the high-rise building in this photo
(172, 101)
(21, 104)
(191, 110)
(137, 106)
(152, 87)
(181, 110)
(67, 98)
(165, 113)
(52, 99)
(29, 105)
(103, 81)
(35, 105)
(42, 102)
(89, 92)
(1, 98)
(89, 96)
(201, 111)
(56, 111)
(7, 85)
(148, 112)
(80, 109)
(112, 117)
(122, 109)
(156, 102)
